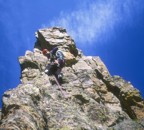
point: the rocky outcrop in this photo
(92, 99)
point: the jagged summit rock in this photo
(96, 100)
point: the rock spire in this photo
(96, 101)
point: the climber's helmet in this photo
(45, 51)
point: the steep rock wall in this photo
(94, 100)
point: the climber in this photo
(57, 62)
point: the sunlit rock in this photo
(95, 100)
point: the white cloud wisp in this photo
(98, 20)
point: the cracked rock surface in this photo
(94, 100)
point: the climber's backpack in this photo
(60, 58)
(57, 54)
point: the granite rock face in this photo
(92, 99)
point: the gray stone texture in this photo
(94, 99)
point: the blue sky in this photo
(111, 29)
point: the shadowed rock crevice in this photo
(29, 64)
(94, 100)
(113, 86)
